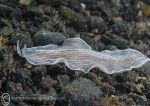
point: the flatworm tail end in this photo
(126, 60)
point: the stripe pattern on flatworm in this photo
(78, 55)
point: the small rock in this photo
(10, 11)
(93, 77)
(127, 100)
(6, 31)
(108, 101)
(52, 92)
(102, 28)
(64, 79)
(41, 10)
(139, 99)
(131, 76)
(138, 87)
(119, 27)
(106, 88)
(108, 8)
(128, 12)
(122, 88)
(23, 37)
(80, 26)
(37, 73)
(146, 91)
(42, 38)
(7, 28)
(47, 82)
(3, 40)
(145, 9)
(111, 47)
(141, 27)
(25, 2)
(25, 76)
(94, 22)
(118, 41)
(82, 92)
(39, 68)
(24, 73)
(69, 14)
(13, 87)
(140, 46)
(144, 70)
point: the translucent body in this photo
(78, 55)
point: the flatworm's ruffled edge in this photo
(59, 60)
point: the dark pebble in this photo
(144, 70)
(107, 89)
(122, 88)
(111, 47)
(82, 92)
(46, 37)
(140, 46)
(80, 26)
(102, 28)
(23, 37)
(129, 14)
(63, 79)
(13, 87)
(140, 100)
(118, 41)
(69, 14)
(47, 82)
(10, 11)
(24, 73)
(119, 27)
(40, 69)
(95, 22)
(25, 76)
(37, 73)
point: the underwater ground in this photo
(103, 24)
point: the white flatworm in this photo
(78, 55)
